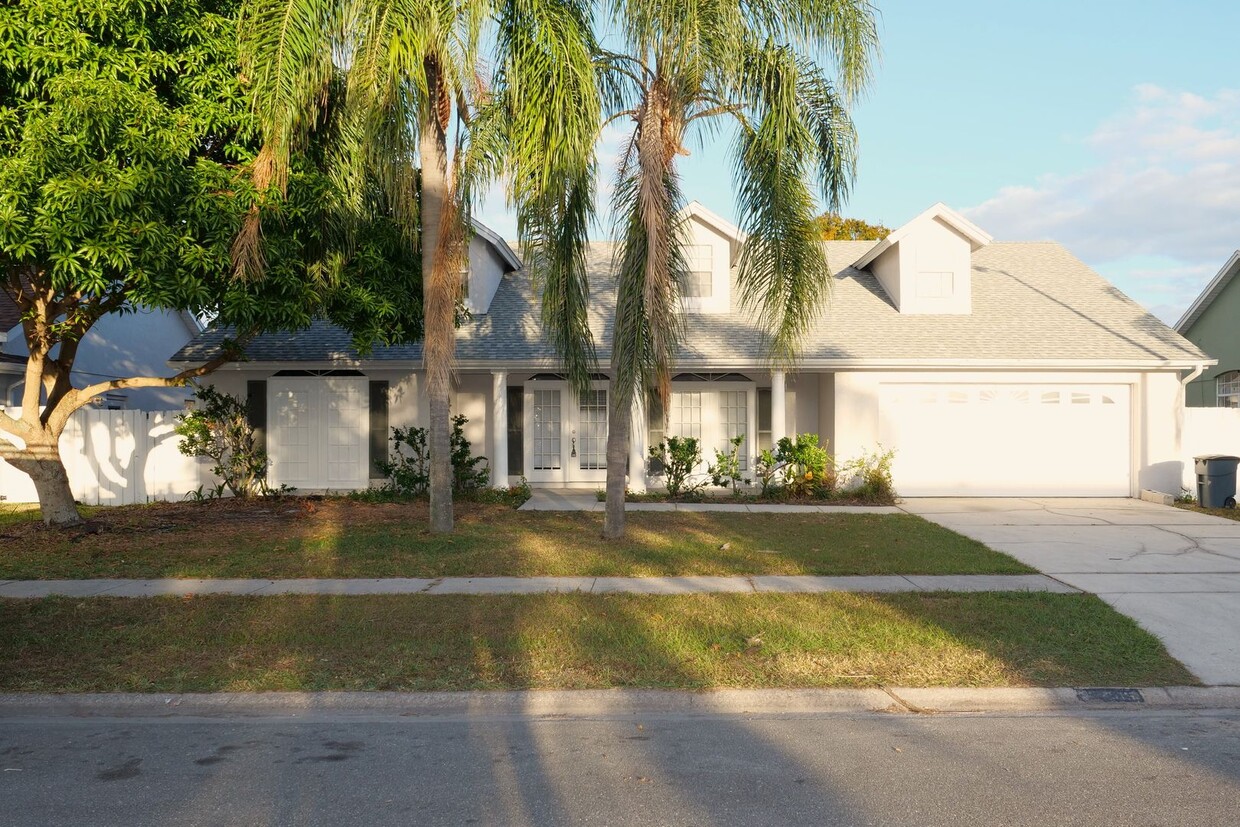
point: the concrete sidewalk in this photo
(787, 584)
(572, 499)
(1176, 572)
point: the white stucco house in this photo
(992, 368)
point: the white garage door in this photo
(318, 432)
(1008, 440)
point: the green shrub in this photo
(512, 495)
(408, 469)
(219, 429)
(679, 456)
(466, 475)
(871, 474)
(768, 470)
(408, 472)
(725, 472)
(808, 469)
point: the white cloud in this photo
(1166, 184)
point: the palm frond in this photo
(546, 89)
(286, 59)
(286, 50)
(843, 31)
(782, 274)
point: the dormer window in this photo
(700, 278)
(935, 285)
(1229, 389)
(926, 266)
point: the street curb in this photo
(610, 703)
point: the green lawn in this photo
(287, 538)
(573, 641)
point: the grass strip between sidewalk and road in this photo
(337, 537)
(568, 641)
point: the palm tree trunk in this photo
(439, 338)
(619, 426)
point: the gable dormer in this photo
(926, 266)
(490, 258)
(711, 246)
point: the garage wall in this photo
(1156, 398)
(1160, 432)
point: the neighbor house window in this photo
(1229, 389)
(699, 281)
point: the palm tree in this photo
(689, 65)
(422, 115)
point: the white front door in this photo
(319, 432)
(993, 440)
(565, 437)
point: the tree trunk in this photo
(439, 336)
(619, 426)
(41, 461)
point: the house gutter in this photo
(1197, 371)
(689, 365)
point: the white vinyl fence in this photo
(1208, 431)
(117, 458)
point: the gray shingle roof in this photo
(10, 313)
(1031, 301)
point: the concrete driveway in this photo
(1175, 572)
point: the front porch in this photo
(557, 441)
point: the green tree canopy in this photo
(834, 227)
(126, 150)
(452, 95)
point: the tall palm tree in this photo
(423, 116)
(691, 65)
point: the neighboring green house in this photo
(1213, 324)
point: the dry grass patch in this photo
(573, 641)
(338, 537)
(1227, 513)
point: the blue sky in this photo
(1112, 127)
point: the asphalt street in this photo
(1145, 767)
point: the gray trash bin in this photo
(1216, 480)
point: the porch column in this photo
(637, 446)
(779, 421)
(499, 429)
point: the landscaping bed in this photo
(712, 497)
(1229, 513)
(322, 642)
(340, 537)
